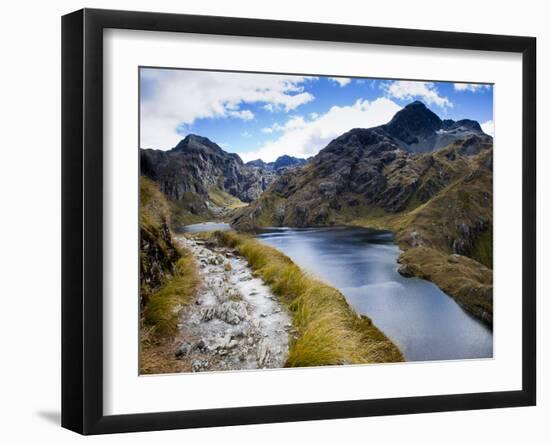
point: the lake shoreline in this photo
(417, 260)
(328, 330)
(386, 236)
(393, 301)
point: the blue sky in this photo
(266, 115)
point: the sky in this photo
(268, 115)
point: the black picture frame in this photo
(82, 218)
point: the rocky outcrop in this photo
(375, 168)
(368, 170)
(284, 162)
(158, 251)
(438, 200)
(197, 165)
(236, 321)
(417, 129)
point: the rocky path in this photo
(236, 322)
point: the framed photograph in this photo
(269, 221)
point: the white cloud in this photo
(244, 115)
(342, 81)
(176, 97)
(472, 87)
(246, 134)
(409, 90)
(489, 127)
(313, 115)
(273, 128)
(302, 138)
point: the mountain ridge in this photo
(426, 179)
(280, 163)
(197, 175)
(418, 129)
(437, 200)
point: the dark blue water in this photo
(421, 319)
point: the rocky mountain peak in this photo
(258, 163)
(417, 129)
(413, 122)
(198, 166)
(285, 161)
(282, 162)
(468, 124)
(193, 142)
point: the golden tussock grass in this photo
(466, 280)
(329, 332)
(163, 307)
(160, 316)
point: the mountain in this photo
(279, 165)
(259, 163)
(196, 165)
(366, 170)
(417, 129)
(428, 180)
(201, 178)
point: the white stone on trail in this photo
(236, 321)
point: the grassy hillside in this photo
(158, 252)
(168, 281)
(329, 332)
(448, 239)
(159, 319)
(464, 279)
(224, 200)
(439, 205)
(193, 208)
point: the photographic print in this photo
(292, 221)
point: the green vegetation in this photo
(158, 253)
(329, 332)
(193, 208)
(164, 306)
(426, 234)
(168, 281)
(482, 250)
(464, 279)
(190, 209)
(224, 199)
(444, 206)
(153, 205)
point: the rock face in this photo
(282, 163)
(429, 180)
(390, 170)
(417, 129)
(158, 251)
(197, 165)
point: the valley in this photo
(438, 203)
(424, 180)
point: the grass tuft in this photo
(328, 331)
(163, 308)
(224, 199)
(464, 279)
